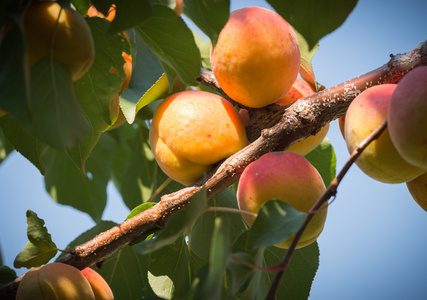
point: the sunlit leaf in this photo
(276, 221)
(324, 160)
(40, 248)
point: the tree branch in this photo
(271, 129)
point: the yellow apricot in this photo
(191, 131)
(54, 281)
(418, 190)
(256, 59)
(407, 117)
(300, 89)
(48, 27)
(100, 287)
(380, 160)
(285, 176)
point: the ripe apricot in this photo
(407, 117)
(418, 189)
(286, 176)
(48, 27)
(191, 131)
(300, 89)
(380, 160)
(54, 281)
(100, 287)
(256, 59)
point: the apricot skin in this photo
(286, 176)
(71, 40)
(407, 117)
(191, 131)
(100, 287)
(380, 160)
(256, 59)
(301, 89)
(418, 190)
(54, 281)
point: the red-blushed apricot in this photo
(300, 89)
(100, 287)
(64, 31)
(341, 121)
(286, 176)
(418, 189)
(191, 131)
(380, 160)
(54, 281)
(256, 59)
(407, 117)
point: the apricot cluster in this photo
(58, 281)
(400, 153)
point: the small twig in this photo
(330, 191)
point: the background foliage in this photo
(118, 156)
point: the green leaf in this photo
(139, 209)
(40, 248)
(6, 275)
(15, 73)
(29, 146)
(211, 286)
(202, 232)
(5, 147)
(129, 14)
(125, 271)
(169, 38)
(306, 68)
(209, 16)
(66, 184)
(58, 118)
(314, 19)
(179, 223)
(97, 89)
(80, 153)
(138, 178)
(276, 221)
(168, 272)
(146, 71)
(82, 6)
(298, 278)
(205, 50)
(324, 160)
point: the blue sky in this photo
(374, 241)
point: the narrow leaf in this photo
(209, 16)
(139, 209)
(276, 221)
(6, 275)
(306, 67)
(166, 34)
(40, 248)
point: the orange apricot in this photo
(49, 27)
(285, 176)
(256, 59)
(191, 131)
(100, 287)
(418, 189)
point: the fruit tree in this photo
(214, 128)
